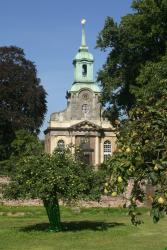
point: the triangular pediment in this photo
(85, 125)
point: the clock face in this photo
(85, 96)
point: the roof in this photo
(85, 125)
(83, 54)
(78, 86)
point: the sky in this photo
(49, 31)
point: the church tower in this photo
(81, 123)
(84, 93)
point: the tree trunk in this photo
(53, 212)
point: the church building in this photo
(81, 123)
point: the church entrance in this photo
(86, 150)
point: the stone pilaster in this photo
(97, 153)
(101, 151)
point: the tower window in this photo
(107, 149)
(84, 70)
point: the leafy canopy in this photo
(24, 144)
(22, 97)
(139, 37)
(134, 83)
(49, 177)
(142, 143)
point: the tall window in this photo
(107, 149)
(84, 69)
(61, 145)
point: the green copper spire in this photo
(83, 66)
(83, 42)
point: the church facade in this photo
(81, 123)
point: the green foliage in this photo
(142, 142)
(24, 144)
(22, 97)
(50, 176)
(54, 177)
(6, 137)
(139, 38)
(134, 84)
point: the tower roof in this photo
(78, 86)
(83, 52)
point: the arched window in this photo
(61, 145)
(107, 149)
(84, 69)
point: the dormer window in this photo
(84, 70)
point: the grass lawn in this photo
(25, 228)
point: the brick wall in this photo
(106, 201)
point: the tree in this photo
(134, 89)
(54, 177)
(142, 143)
(7, 135)
(140, 37)
(22, 98)
(24, 144)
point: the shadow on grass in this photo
(75, 226)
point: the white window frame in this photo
(107, 149)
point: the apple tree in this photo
(53, 177)
(134, 95)
(142, 144)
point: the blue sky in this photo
(49, 31)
